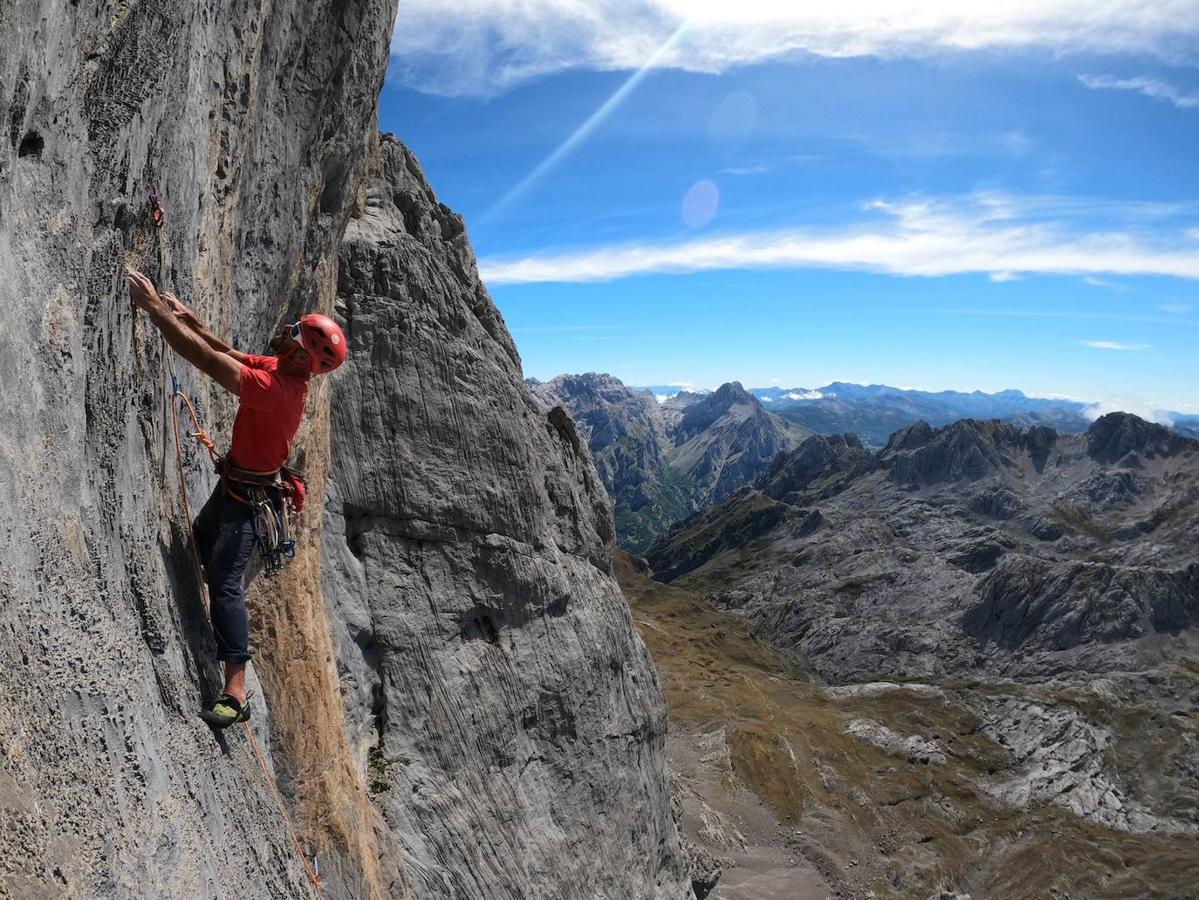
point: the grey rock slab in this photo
(912, 748)
(1058, 756)
(514, 735)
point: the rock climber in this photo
(271, 391)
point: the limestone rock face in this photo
(966, 449)
(504, 712)
(726, 440)
(1034, 604)
(627, 435)
(822, 460)
(494, 697)
(250, 120)
(1113, 436)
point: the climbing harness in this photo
(311, 869)
(275, 499)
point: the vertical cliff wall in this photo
(503, 710)
(250, 119)
(477, 718)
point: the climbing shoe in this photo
(226, 711)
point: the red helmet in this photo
(324, 341)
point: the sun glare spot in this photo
(700, 204)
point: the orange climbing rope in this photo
(206, 442)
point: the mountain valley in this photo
(1007, 616)
(662, 462)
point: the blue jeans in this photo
(225, 535)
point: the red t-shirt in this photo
(272, 405)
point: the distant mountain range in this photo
(662, 461)
(665, 452)
(874, 412)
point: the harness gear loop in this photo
(201, 435)
(273, 498)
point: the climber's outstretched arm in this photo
(192, 321)
(224, 369)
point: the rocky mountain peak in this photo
(682, 400)
(1113, 436)
(732, 392)
(967, 449)
(727, 398)
(589, 386)
(820, 457)
(918, 434)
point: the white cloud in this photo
(680, 387)
(1150, 87)
(1178, 309)
(1147, 411)
(766, 399)
(804, 395)
(486, 46)
(980, 234)
(1113, 345)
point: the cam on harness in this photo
(274, 497)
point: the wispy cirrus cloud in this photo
(1150, 87)
(759, 169)
(1113, 345)
(1002, 236)
(485, 47)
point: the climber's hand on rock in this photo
(142, 293)
(181, 312)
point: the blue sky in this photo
(1005, 198)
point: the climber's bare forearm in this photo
(192, 321)
(217, 344)
(221, 367)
